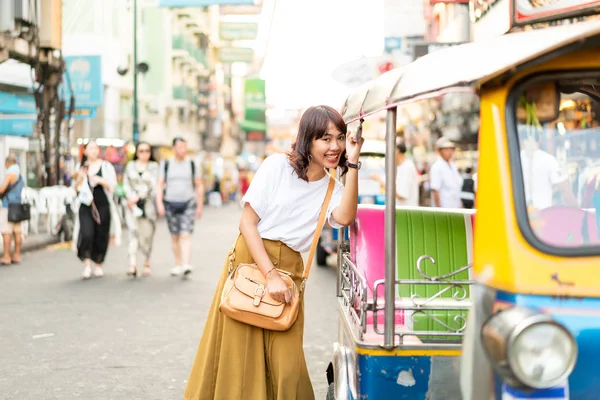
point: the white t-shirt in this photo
(540, 173)
(407, 184)
(289, 207)
(444, 178)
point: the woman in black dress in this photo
(95, 217)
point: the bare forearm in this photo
(200, 192)
(346, 212)
(436, 198)
(255, 246)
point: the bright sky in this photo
(309, 39)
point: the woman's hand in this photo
(278, 289)
(353, 147)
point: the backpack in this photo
(192, 165)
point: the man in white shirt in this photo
(407, 179)
(542, 175)
(445, 181)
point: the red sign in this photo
(525, 12)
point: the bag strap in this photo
(320, 224)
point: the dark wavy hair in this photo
(137, 147)
(313, 125)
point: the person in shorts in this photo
(180, 196)
(11, 190)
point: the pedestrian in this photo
(95, 182)
(407, 179)
(180, 196)
(279, 220)
(11, 190)
(139, 183)
(445, 181)
(467, 193)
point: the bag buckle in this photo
(302, 285)
(259, 292)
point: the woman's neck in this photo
(315, 172)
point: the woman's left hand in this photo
(353, 147)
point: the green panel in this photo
(154, 51)
(180, 92)
(441, 235)
(178, 42)
(424, 323)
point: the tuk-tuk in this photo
(502, 302)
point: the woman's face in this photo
(327, 150)
(92, 151)
(143, 152)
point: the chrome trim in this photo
(355, 303)
(390, 227)
(354, 293)
(340, 372)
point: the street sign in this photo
(525, 12)
(201, 3)
(17, 103)
(85, 73)
(392, 43)
(230, 31)
(235, 54)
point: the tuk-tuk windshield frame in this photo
(514, 150)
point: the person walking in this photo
(139, 184)
(445, 181)
(180, 196)
(407, 179)
(11, 190)
(97, 221)
(279, 220)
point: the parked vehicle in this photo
(435, 306)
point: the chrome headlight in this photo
(529, 349)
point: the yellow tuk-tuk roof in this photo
(467, 65)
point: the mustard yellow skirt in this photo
(237, 361)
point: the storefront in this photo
(17, 126)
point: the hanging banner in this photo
(526, 12)
(255, 104)
(201, 3)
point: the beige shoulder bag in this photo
(245, 297)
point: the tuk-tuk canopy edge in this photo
(472, 64)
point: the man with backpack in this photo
(180, 196)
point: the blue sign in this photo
(202, 3)
(86, 78)
(392, 43)
(17, 103)
(17, 127)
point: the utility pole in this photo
(136, 133)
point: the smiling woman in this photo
(285, 207)
(321, 138)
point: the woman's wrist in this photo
(269, 273)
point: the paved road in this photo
(119, 338)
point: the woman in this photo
(98, 220)
(139, 181)
(279, 218)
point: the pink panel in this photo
(565, 226)
(367, 246)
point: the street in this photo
(123, 338)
